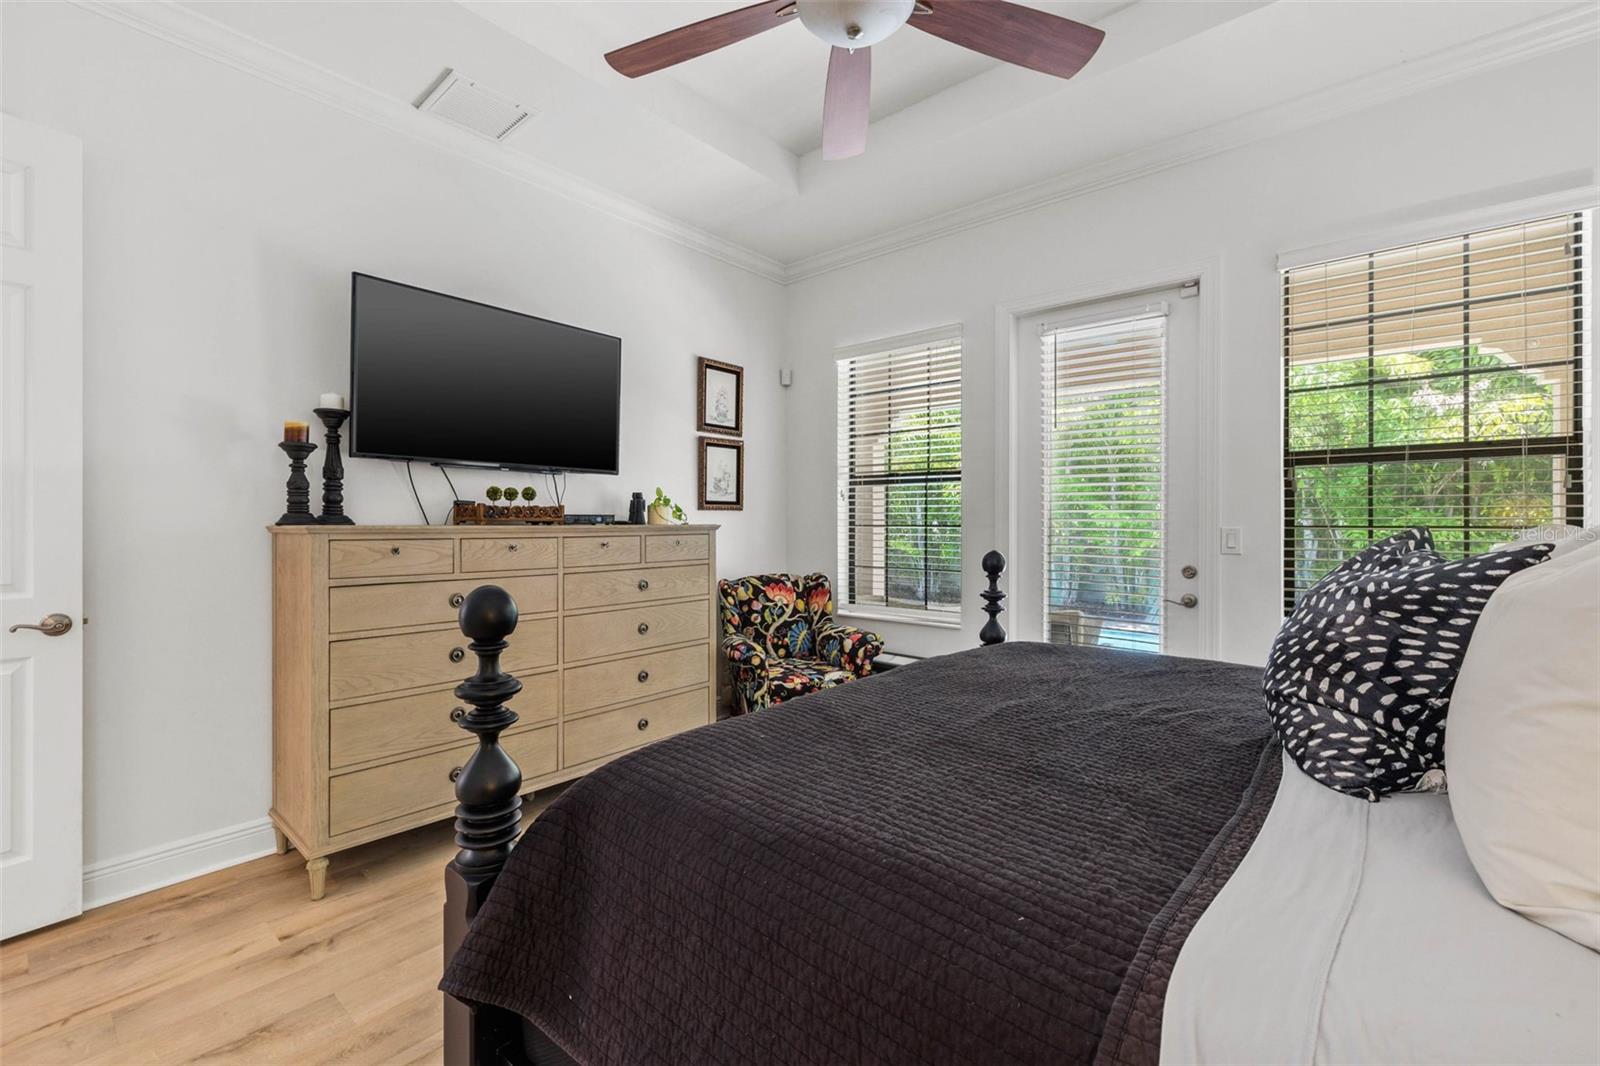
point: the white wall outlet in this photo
(1232, 541)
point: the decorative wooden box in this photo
(472, 513)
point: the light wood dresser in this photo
(616, 647)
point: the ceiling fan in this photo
(1010, 32)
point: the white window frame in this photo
(941, 618)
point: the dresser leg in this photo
(280, 843)
(317, 870)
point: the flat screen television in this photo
(441, 379)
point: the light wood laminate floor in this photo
(239, 966)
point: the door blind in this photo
(900, 476)
(1438, 384)
(1105, 481)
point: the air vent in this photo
(467, 104)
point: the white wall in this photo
(1499, 136)
(223, 216)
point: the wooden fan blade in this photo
(1025, 36)
(696, 39)
(846, 103)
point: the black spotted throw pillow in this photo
(1359, 680)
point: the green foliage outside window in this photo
(1106, 531)
(1108, 541)
(1106, 527)
(917, 487)
(1459, 395)
(922, 509)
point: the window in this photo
(900, 475)
(1104, 480)
(1438, 384)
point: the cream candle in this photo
(332, 401)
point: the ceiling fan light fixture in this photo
(1000, 29)
(854, 23)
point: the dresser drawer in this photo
(589, 636)
(677, 548)
(369, 666)
(482, 554)
(390, 558)
(609, 732)
(600, 551)
(367, 797)
(419, 603)
(635, 586)
(586, 687)
(385, 728)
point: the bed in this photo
(1366, 928)
(998, 856)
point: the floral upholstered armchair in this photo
(781, 640)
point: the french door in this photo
(1109, 448)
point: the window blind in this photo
(1437, 384)
(1105, 481)
(900, 476)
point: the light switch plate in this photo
(1232, 541)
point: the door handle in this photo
(51, 625)
(1188, 599)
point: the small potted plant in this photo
(663, 512)
(529, 494)
(494, 492)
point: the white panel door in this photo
(41, 526)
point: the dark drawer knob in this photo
(644, 627)
(644, 723)
(511, 547)
(394, 550)
(458, 714)
(643, 584)
(605, 544)
(456, 655)
(644, 675)
(455, 773)
(456, 599)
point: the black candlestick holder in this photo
(333, 469)
(299, 489)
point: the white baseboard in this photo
(167, 864)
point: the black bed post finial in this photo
(994, 564)
(489, 785)
(488, 809)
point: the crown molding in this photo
(1564, 29)
(175, 24)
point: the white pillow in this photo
(1522, 745)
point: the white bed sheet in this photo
(1358, 932)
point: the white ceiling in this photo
(728, 143)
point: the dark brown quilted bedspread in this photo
(990, 857)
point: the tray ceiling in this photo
(728, 143)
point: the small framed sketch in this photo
(721, 398)
(721, 474)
